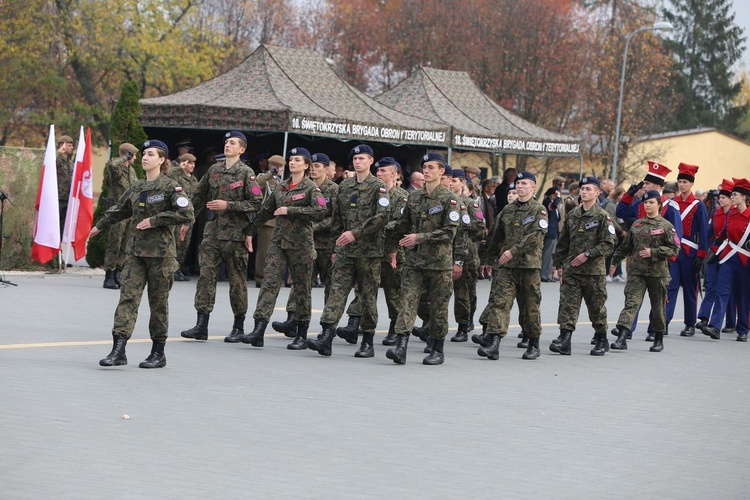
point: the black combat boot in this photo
(238, 329)
(462, 335)
(436, 356)
(658, 342)
(689, 331)
(390, 339)
(156, 359)
(366, 350)
(650, 336)
(322, 345)
(701, 324)
(741, 337)
(555, 345)
(117, 356)
(300, 340)
(524, 343)
(728, 329)
(116, 276)
(532, 352)
(255, 338)
(398, 352)
(712, 332)
(178, 276)
(428, 345)
(109, 280)
(602, 345)
(288, 327)
(422, 332)
(594, 340)
(483, 339)
(621, 344)
(492, 349)
(350, 332)
(200, 330)
(563, 347)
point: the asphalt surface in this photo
(233, 421)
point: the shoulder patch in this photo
(544, 212)
(177, 189)
(252, 177)
(454, 202)
(382, 190)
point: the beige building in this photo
(718, 154)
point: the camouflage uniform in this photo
(428, 265)
(267, 182)
(322, 240)
(362, 208)
(471, 231)
(584, 231)
(224, 234)
(520, 228)
(118, 177)
(189, 184)
(65, 167)
(151, 252)
(390, 278)
(291, 245)
(650, 274)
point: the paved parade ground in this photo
(232, 421)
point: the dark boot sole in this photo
(160, 364)
(116, 363)
(494, 356)
(390, 354)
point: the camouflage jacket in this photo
(362, 208)
(435, 218)
(519, 227)
(188, 182)
(118, 177)
(163, 202)
(322, 229)
(585, 231)
(660, 236)
(64, 176)
(397, 198)
(236, 185)
(470, 231)
(293, 231)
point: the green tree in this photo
(706, 45)
(125, 128)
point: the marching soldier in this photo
(182, 174)
(267, 181)
(230, 194)
(587, 238)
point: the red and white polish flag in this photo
(47, 224)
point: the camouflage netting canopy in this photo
(477, 122)
(289, 90)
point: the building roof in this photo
(478, 123)
(289, 90)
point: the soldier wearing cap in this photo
(473, 179)
(390, 271)
(651, 242)
(587, 238)
(156, 204)
(359, 213)
(297, 204)
(267, 181)
(630, 207)
(321, 240)
(686, 270)
(65, 165)
(426, 231)
(183, 147)
(516, 248)
(119, 175)
(230, 195)
(182, 174)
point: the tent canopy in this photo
(478, 123)
(289, 90)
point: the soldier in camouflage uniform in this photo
(471, 231)
(65, 166)
(230, 193)
(651, 242)
(297, 204)
(321, 238)
(587, 238)
(119, 175)
(426, 230)
(390, 275)
(267, 181)
(359, 213)
(182, 174)
(516, 245)
(156, 204)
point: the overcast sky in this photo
(742, 18)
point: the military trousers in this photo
(300, 264)
(139, 272)
(523, 286)
(211, 254)
(117, 241)
(437, 286)
(635, 290)
(592, 290)
(346, 272)
(390, 281)
(465, 294)
(320, 266)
